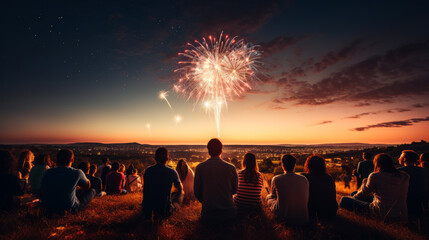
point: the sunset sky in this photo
(337, 71)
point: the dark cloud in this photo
(395, 110)
(401, 72)
(279, 44)
(324, 122)
(332, 58)
(420, 105)
(393, 124)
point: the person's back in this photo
(250, 184)
(134, 183)
(292, 191)
(95, 184)
(35, 177)
(322, 199)
(416, 190)
(390, 194)
(215, 184)
(115, 182)
(364, 169)
(59, 188)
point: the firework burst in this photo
(215, 70)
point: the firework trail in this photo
(148, 128)
(163, 95)
(215, 70)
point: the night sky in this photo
(336, 71)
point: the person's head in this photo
(42, 159)
(249, 162)
(92, 169)
(7, 161)
(65, 157)
(115, 166)
(135, 171)
(288, 162)
(25, 159)
(121, 168)
(315, 164)
(384, 163)
(84, 166)
(161, 155)
(182, 169)
(424, 160)
(367, 156)
(105, 160)
(215, 147)
(409, 157)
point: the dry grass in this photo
(119, 217)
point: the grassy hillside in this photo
(119, 217)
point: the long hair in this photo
(384, 163)
(315, 164)
(25, 162)
(250, 171)
(182, 169)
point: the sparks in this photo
(215, 71)
(163, 95)
(148, 129)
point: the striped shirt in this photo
(248, 193)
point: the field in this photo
(119, 217)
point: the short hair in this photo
(7, 161)
(161, 155)
(367, 156)
(115, 166)
(42, 159)
(215, 147)
(65, 157)
(409, 156)
(92, 169)
(105, 160)
(288, 162)
(315, 164)
(84, 166)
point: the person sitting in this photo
(322, 202)
(9, 183)
(25, 163)
(134, 182)
(158, 181)
(103, 170)
(59, 185)
(418, 186)
(364, 168)
(89, 170)
(215, 184)
(41, 164)
(289, 194)
(186, 176)
(249, 185)
(389, 187)
(115, 181)
(129, 170)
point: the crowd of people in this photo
(384, 191)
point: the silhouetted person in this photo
(9, 183)
(322, 202)
(418, 183)
(158, 181)
(424, 163)
(389, 187)
(41, 164)
(186, 176)
(115, 180)
(104, 163)
(59, 185)
(89, 171)
(364, 168)
(289, 194)
(214, 186)
(129, 170)
(250, 184)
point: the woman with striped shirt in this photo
(249, 185)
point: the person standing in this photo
(215, 184)
(289, 194)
